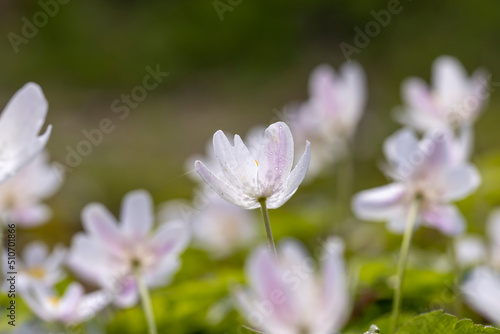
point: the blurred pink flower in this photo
(108, 253)
(453, 100)
(428, 170)
(289, 296)
(73, 307)
(218, 227)
(20, 123)
(331, 115)
(20, 196)
(265, 173)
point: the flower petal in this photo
(237, 163)
(137, 214)
(380, 203)
(170, 239)
(224, 189)
(445, 218)
(68, 304)
(482, 293)
(35, 254)
(450, 80)
(460, 182)
(294, 180)
(100, 223)
(275, 158)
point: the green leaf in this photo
(438, 322)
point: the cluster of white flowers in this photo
(287, 293)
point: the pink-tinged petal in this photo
(31, 216)
(237, 163)
(224, 189)
(294, 180)
(88, 259)
(398, 150)
(137, 214)
(352, 94)
(68, 304)
(335, 294)
(23, 117)
(380, 203)
(292, 253)
(461, 181)
(101, 224)
(36, 297)
(482, 293)
(445, 218)
(170, 239)
(323, 92)
(399, 219)
(417, 96)
(450, 80)
(35, 254)
(267, 280)
(275, 159)
(162, 272)
(128, 293)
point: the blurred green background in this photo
(232, 74)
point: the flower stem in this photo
(403, 259)
(1, 252)
(267, 225)
(146, 302)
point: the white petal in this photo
(91, 304)
(380, 203)
(493, 232)
(23, 116)
(237, 163)
(460, 182)
(294, 180)
(137, 214)
(35, 254)
(275, 158)
(128, 295)
(398, 150)
(482, 293)
(470, 250)
(226, 190)
(170, 238)
(445, 218)
(352, 94)
(100, 223)
(417, 96)
(450, 80)
(68, 304)
(162, 273)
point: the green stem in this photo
(267, 225)
(146, 303)
(403, 259)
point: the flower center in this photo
(257, 163)
(37, 272)
(54, 301)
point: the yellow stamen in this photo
(37, 272)
(257, 163)
(54, 300)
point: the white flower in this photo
(109, 253)
(470, 250)
(331, 115)
(453, 100)
(250, 177)
(288, 296)
(20, 195)
(218, 227)
(482, 292)
(73, 307)
(20, 124)
(426, 170)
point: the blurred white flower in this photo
(20, 124)
(453, 100)
(331, 115)
(427, 170)
(482, 292)
(20, 196)
(38, 266)
(289, 296)
(470, 250)
(251, 175)
(493, 232)
(109, 253)
(73, 307)
(218, 227)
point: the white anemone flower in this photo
(20, 124)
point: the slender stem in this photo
(146, 302)
(267, 225)
(403, 259)
(1, 252)
(458, 274)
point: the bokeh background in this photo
(232, 74)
